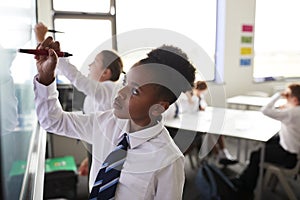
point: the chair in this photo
(275, 174)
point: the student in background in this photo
(106, 68)
(194, 101)
(153, 160)
(283, 148)
(199, 90)
(219, 147)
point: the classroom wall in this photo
(237, 80)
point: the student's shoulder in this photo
(107, 116)
(296, 111)
(111, 84)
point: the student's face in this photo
(199, 92)
(138, 99)
(290, 98)
(96, 68)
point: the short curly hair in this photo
(179, 69)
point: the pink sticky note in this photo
(247, 28)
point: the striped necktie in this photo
(176, 110)
(199, 101)
(108, 176)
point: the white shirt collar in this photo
(139, 137)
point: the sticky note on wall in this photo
(246, 39)
(246, 51)
(247, 28)
(245, 62)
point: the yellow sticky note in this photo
(246, 51)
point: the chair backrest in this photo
(295, 170)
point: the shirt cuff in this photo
(276, 96)
(43, 90)
(62, 62)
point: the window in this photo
(276, 41)
(81, 41)
(85, 26)
(82, 6)
(193, 19)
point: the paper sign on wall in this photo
(247, 28)
(244, 62)
(246, 51)
(246, 39)
(246, 48)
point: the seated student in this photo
(193, 101)
(200, 88)
(153, 160)
(218, 143)
(282, 149)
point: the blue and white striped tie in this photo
(108, 176)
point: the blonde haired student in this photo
(154, 166)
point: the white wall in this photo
(238, 80)
(44, 12)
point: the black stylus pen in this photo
(54, 31)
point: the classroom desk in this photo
(248, 102)
(252, 101)
(243, 124)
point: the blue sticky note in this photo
(245, 62)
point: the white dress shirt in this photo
(154, 166)
(98, 98)
(185, 105)
(290, 127)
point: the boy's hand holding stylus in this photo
(46, 64)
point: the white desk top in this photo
(244, 124)
(253, 100)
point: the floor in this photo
(190, 190)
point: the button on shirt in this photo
(290, 127)
(154, 166)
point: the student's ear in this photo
(159, 108)
(106, 75)
(295, 101)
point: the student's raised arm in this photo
(271, 111)
(100, 91)
(49, 111)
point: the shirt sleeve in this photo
(170, 181)
(271, 111)
(101, 92)
(53, 119)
